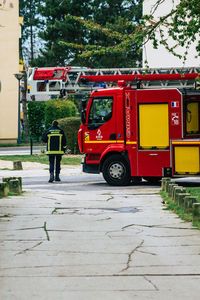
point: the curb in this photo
(181, 198)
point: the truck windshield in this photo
(101, 110)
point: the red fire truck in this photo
(129, 133)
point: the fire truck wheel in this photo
(153, 180)
(116, 171)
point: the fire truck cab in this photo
(134, 133)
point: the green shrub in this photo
(57, 108)
(70, 126)
(36, 117)
(41, 114)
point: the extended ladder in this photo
(68, 80)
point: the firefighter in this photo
(56, 146)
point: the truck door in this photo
(153, 139)
(186, 153)
(101, 125)
(153, 126)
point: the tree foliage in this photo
(29, 43)
(56, 29)
(94, 33)
(113, 45)
(111, 33)
(182, 24)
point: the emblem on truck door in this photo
(99, 136)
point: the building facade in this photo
(10, 32)
(161, 57)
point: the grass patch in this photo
(43, 159)
(11, 194)
(15, 194)
(171, 205)
(194, 191)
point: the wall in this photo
(161, 58)
(9, 65)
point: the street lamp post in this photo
(19, 76)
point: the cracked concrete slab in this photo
(82, 239)
(109, 288)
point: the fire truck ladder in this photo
(53, 81)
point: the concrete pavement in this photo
(86, 240)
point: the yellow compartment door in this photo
(186, 159)
(153, 126)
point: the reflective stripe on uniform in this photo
(59, 151)
(55, 152)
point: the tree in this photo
(182, 24)
(110, 46)
(111, 28)
(111, 33)
(94, 33)
(29, 41)
(55, 29)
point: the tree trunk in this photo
(32, 44)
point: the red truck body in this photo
(132, 133)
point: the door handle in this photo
(113, 136)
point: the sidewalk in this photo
(111, 244)
(33, 169)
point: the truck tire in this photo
(116, 170)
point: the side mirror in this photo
(84, 102)
(83, 116)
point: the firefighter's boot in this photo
(51, 179)
(57, 178)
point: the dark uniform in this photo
(56, 145)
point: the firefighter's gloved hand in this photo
(65, 149)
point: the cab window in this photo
(100, 111)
